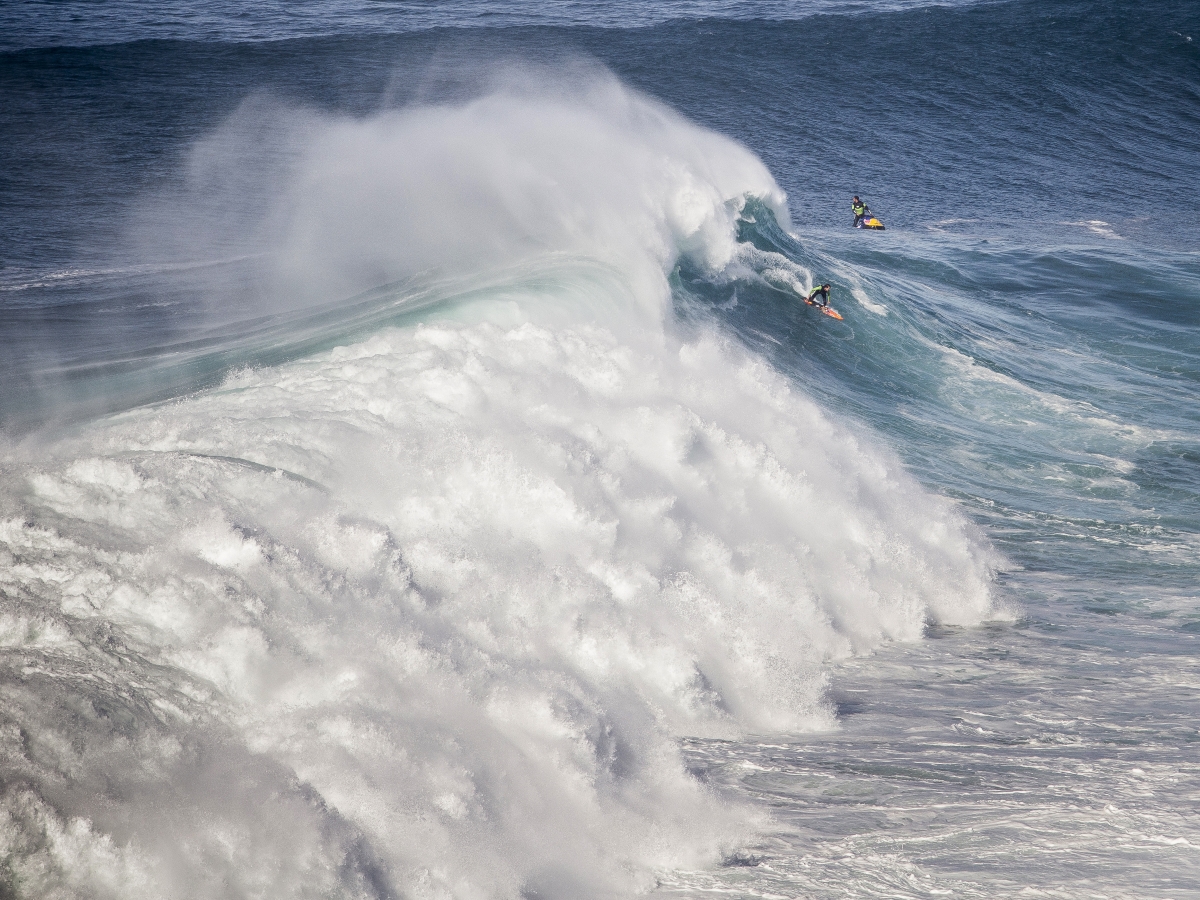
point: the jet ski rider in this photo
(860, 210)
(823, 290)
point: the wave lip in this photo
(338, 205)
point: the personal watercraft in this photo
(869, 221)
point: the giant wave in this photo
(424, 613)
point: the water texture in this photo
(420, 477)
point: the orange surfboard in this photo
(828, 310)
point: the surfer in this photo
(860, 211)
(823, 291)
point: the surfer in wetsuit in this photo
(823, 291)
(860, 210)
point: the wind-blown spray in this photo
(423, 614)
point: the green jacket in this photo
(818, 290)
(859, 208)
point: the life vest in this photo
(859, 208)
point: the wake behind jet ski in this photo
(863, 217)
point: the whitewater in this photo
(450, 592)
(427, 481)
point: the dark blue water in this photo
(241, 243)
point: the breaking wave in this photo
(422, 608)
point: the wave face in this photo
(423, 614)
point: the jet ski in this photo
(869, 221)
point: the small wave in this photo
(1096, 226)
(867, 303)
(73, 24)
(943, 222)
(21, 279)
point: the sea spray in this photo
(535, 161)
(424, 614)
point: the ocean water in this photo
(420, 477)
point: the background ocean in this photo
(419, 477)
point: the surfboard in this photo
(828, 310)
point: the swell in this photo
(71, 24)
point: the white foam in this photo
(867, 303)
(544, 553)
(532, 542)
(1039, 404)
